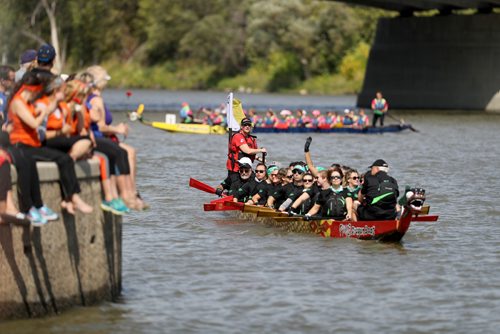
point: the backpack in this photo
(335, 206)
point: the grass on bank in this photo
(278, 74)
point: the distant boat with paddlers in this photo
(260, 126)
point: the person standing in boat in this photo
(242, 144)
(379, 107)
(379, 194)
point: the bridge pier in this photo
(439, 62)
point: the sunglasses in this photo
(336, 177)
(289, 176)
(355, 177)
(245, 170)
(296, 171)
(308, 180)
(246, 125)
(259, 171)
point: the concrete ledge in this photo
(74, 261)
(47, 171)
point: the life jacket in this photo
(55, 120)
(335, 206)
(378, 105)
(385, 196)
(235, 153)
(21, 132)
(73, 119)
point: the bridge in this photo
(443, 61)
(407, 7)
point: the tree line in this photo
(260, 45)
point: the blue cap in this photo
(46, 54)
(28, 56)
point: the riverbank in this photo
(74, 261)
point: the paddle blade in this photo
(140, 110)
(430, 218)
(201, 186)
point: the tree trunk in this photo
(54, 36)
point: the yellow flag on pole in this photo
(238, 110)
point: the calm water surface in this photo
(185, 271)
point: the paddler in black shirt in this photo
(379, 194)
(252, 187)
(332, 201)
(245, 174)
(291, 191)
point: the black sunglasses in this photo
(289, 176)
(245, 170)
(259, 171)
(297, 171)
(336, 177)
(355, 177)
(308, 180)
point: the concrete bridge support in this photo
(438, 62)
(74, 261)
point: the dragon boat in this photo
(380, 230)
(365, 130)
(170, 125)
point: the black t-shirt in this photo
(237, 184)
(263, 190)
(284, 192)
(333, 204)
(248, 189)
(305, 206)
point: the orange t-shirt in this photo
(21, 132)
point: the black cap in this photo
(379, 163)
(46, 54)
(246, 121)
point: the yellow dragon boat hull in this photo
(200, 129)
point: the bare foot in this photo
(68, 206)
(80, 205)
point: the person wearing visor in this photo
(242, 144)
(379, 194)
(291, 191)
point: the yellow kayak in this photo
(201, 129)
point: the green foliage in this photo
(261, 45)
(172, 76)
(354, 62)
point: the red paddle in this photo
(201, 186)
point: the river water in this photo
(186, 271)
